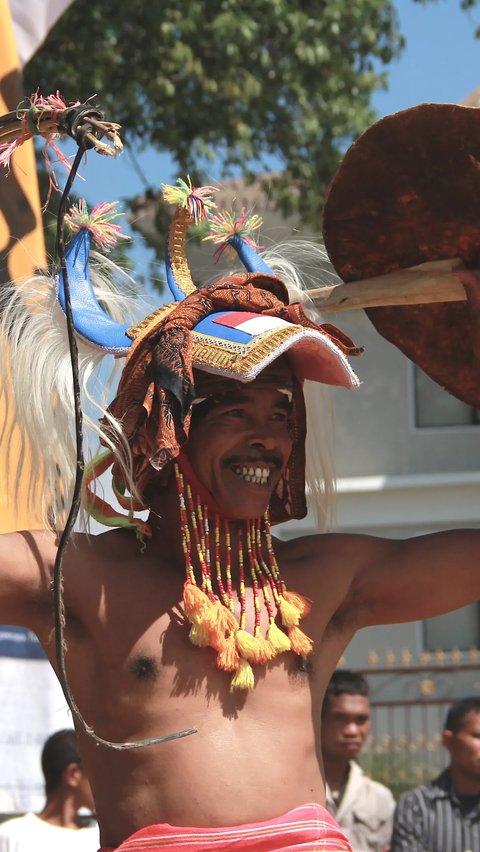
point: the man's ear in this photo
(447, 737)
(72, 774)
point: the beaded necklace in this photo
(209, 603)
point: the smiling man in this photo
(208, 620)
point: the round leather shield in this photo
(408, 191)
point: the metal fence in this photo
(409, 704)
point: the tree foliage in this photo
(245, 83)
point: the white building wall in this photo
(394, 480)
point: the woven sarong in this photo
(304, 829)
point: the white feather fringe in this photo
(303, 265)
(36, 382)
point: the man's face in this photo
(240, 448)
(345, 726)
(464, 746)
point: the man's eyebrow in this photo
(285, 402)
(233, 397)
(339, 714)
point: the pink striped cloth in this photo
(304, 829)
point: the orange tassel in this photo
(194, 600)
(301, 643)
(228, 658)
(221, 619)
(265, 651)
(220, 622)
(302, 604)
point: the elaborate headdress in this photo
(232, 329)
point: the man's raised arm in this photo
(412, 579)
(26, 559)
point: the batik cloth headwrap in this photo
(157, 389)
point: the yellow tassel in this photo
(243, 677)
(301, 643)
(278, 639)
(289, 613)
(228, 658)
(247, 645)
(194, 600)
(199, 634)
(302, 604)
(265, 651)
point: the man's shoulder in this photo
(430, 791)
(316, 548)
(111, 544)
(381, 792)
(43, 543)
(27, 556)
(18, 825)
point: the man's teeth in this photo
(254, 475)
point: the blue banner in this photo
(20, 643)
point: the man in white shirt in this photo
(362, 807)
(58, 827)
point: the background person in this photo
(58, 827)
(444, 815)
(362, 807)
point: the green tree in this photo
(242, 82)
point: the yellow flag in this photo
(22, 247)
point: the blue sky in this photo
(441, 62)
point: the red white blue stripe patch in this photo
(250, 323)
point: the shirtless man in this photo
(134, 674)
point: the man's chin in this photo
(243, 509)
(351, 752)
(250, 513)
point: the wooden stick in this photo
(417, 285)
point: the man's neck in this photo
(165, 524)
(60, 812)
(336, 774)
(464, 783)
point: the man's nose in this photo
(261, 436)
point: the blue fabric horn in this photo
(90, 320)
